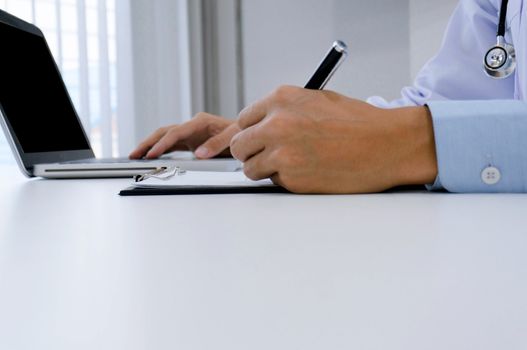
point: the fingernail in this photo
(202, 152)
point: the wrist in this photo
(419, 165)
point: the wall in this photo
(389, 40)
(160, 51)
(282, 43)
(184, 61)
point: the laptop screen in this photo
(33, 96)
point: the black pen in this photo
(328, 67)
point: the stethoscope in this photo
(500, 60)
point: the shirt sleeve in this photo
(481, 145)
(480, 131)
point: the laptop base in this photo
(80, 170)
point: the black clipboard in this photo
(168, 173)
(142, 191)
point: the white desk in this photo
(82, 268)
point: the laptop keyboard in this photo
(108, 161)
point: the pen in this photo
(328, 67)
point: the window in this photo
(82, 37)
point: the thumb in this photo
(217, 144)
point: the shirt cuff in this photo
(481, 146)
(436, 186)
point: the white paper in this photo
(204, 179)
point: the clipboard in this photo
(135, 191)
(175, 181)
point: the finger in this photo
(254, 113)
(259, 110)
(261, 166)
(247, 143)
(217, 144)
(145, 146)
(171, 138)
(277, 180)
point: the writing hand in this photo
(322, 142)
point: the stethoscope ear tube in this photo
(502, 25)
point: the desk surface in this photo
(82, 268)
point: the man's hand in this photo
(322, 142)
(206, 135)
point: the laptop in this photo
(40, 121)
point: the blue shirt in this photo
(480, 124)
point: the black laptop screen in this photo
(33, 96)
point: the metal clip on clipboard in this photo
(162, 173)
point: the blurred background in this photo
(132, 66)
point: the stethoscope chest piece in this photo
(500, 60)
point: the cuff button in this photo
(491, 175)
